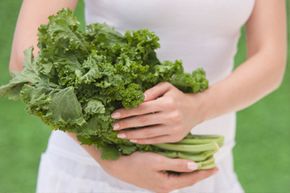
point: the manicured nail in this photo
(133, 140)
(191, 165)
(116, 126)
(121, 135)
(145, 96)
(116, 115)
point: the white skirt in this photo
(66, 172)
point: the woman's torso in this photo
(202, 33)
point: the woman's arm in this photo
(263, 71)
(32, 14)
(141, 169)
(178, 112)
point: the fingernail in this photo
(133, 140)
(145, 96)
(121, 135)
(116, 115)
(116, 126)
(191, 165)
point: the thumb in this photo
(157, 91)
(179, 165)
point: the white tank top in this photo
(202, 33)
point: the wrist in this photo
(210, 103)
(204, 102)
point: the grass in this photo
(261, 155)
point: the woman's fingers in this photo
(140, 121)
(178, 165)
(188, 179)
(143, 108)
(155, 140)
(157, 91)
(188, 173)
(149, 105)
(144, 133)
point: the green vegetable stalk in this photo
(79, 77)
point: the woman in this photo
(201, 33)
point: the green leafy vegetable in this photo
(79, 77)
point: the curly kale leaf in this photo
(79, 77)
(28, 75)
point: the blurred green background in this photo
(262, 153)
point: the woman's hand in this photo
(167, 115)
(147, 170)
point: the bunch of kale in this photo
(79, 77)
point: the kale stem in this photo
(218, 140)
(194, 157)
(207, 164)
(213, 146)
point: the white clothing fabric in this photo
(201, 33)
(63, 171)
